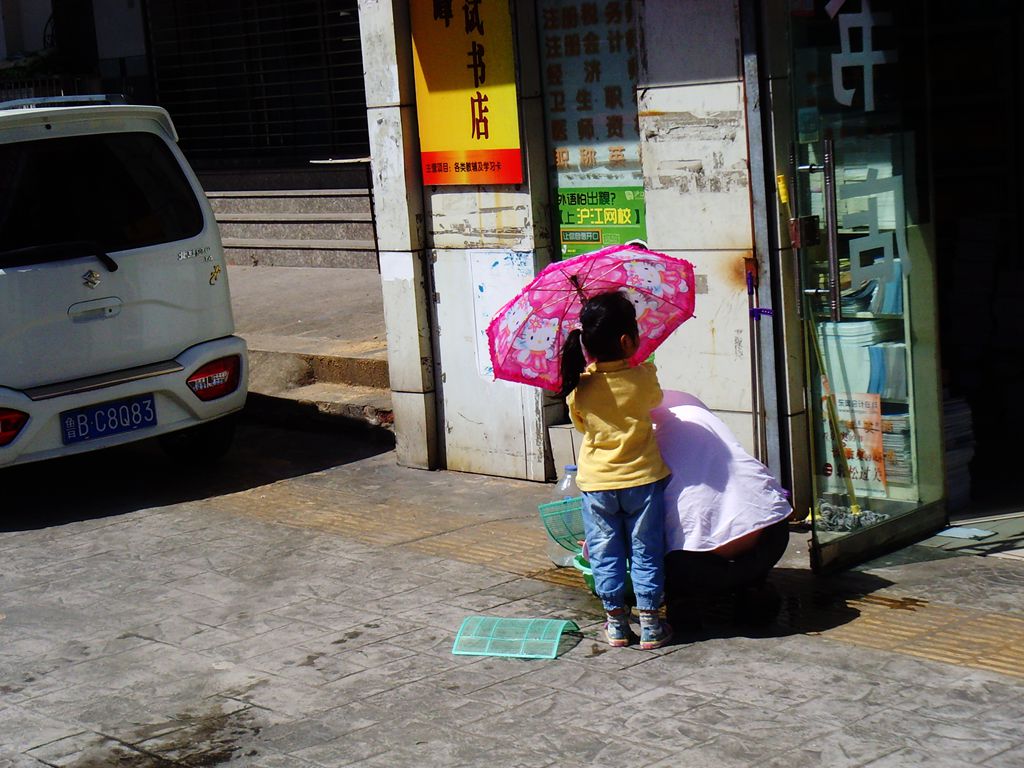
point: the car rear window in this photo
(117, 190)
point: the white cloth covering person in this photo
(718, 493)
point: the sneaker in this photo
(654, 632)
(617, 631)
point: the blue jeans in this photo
(627, 523)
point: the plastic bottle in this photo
(565, 489)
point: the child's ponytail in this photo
(573, 362)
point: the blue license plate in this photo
(107, 419)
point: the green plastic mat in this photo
(563, 520)
(518, 638)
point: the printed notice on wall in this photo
(466, 99)
(497, 277)
(590, 54)
(860, 430)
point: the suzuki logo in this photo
(91, 278)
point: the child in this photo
(621, 472)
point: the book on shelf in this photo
(865, 356)
(958, 435)
(878, 297)
(899, 467)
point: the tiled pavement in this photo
(297, 608)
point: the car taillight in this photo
(11, 422)
(216, 379)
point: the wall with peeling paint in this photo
(490, 427)
(697, 184)
(397, 186)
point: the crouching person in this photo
(726, 517)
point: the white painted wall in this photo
(491, 427)
(697, 184)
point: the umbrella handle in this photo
(575, 280)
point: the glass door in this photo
(860, 230)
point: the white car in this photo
(115, 317)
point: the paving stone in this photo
(326, 613)
(307, 664)
(22, 729)
(427, 696)
(207, 737)
(908, 757)
(260, 627)
(9, 759)
(723, 750)
(1011, 758)
(81, 748)
(387, 676)
(970, 741)
(835, 750)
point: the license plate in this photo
(106, 419)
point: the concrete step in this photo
(274, 371)
(303, 217)
(327, 379)
(317, 343)
(326, 403)
(328, 407)
(280, 254)
(297, 228)
(321, 234)
(291, 201)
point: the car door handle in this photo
(95, 309)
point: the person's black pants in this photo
(690, 576)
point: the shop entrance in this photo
(976, 79)
(864, 238)
(905, 195)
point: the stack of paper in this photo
(888, 298)
(865, 357)
(879, 297)
(859, 299)
(888, 370)
(958, 433)
(897, 448)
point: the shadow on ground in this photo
(809, 604)
(140, 476)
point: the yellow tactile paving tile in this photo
(896, 624)
(938, 632)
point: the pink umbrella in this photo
(527, 334)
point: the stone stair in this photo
(297, 227)
(317, 349)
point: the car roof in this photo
(26, 113)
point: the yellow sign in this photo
(466, 92)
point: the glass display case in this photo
(859, 226)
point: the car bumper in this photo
(176, 406)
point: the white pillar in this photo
(398, 204)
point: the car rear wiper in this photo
(68, 249)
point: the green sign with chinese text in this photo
(594, 217)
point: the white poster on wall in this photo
(497, 276)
